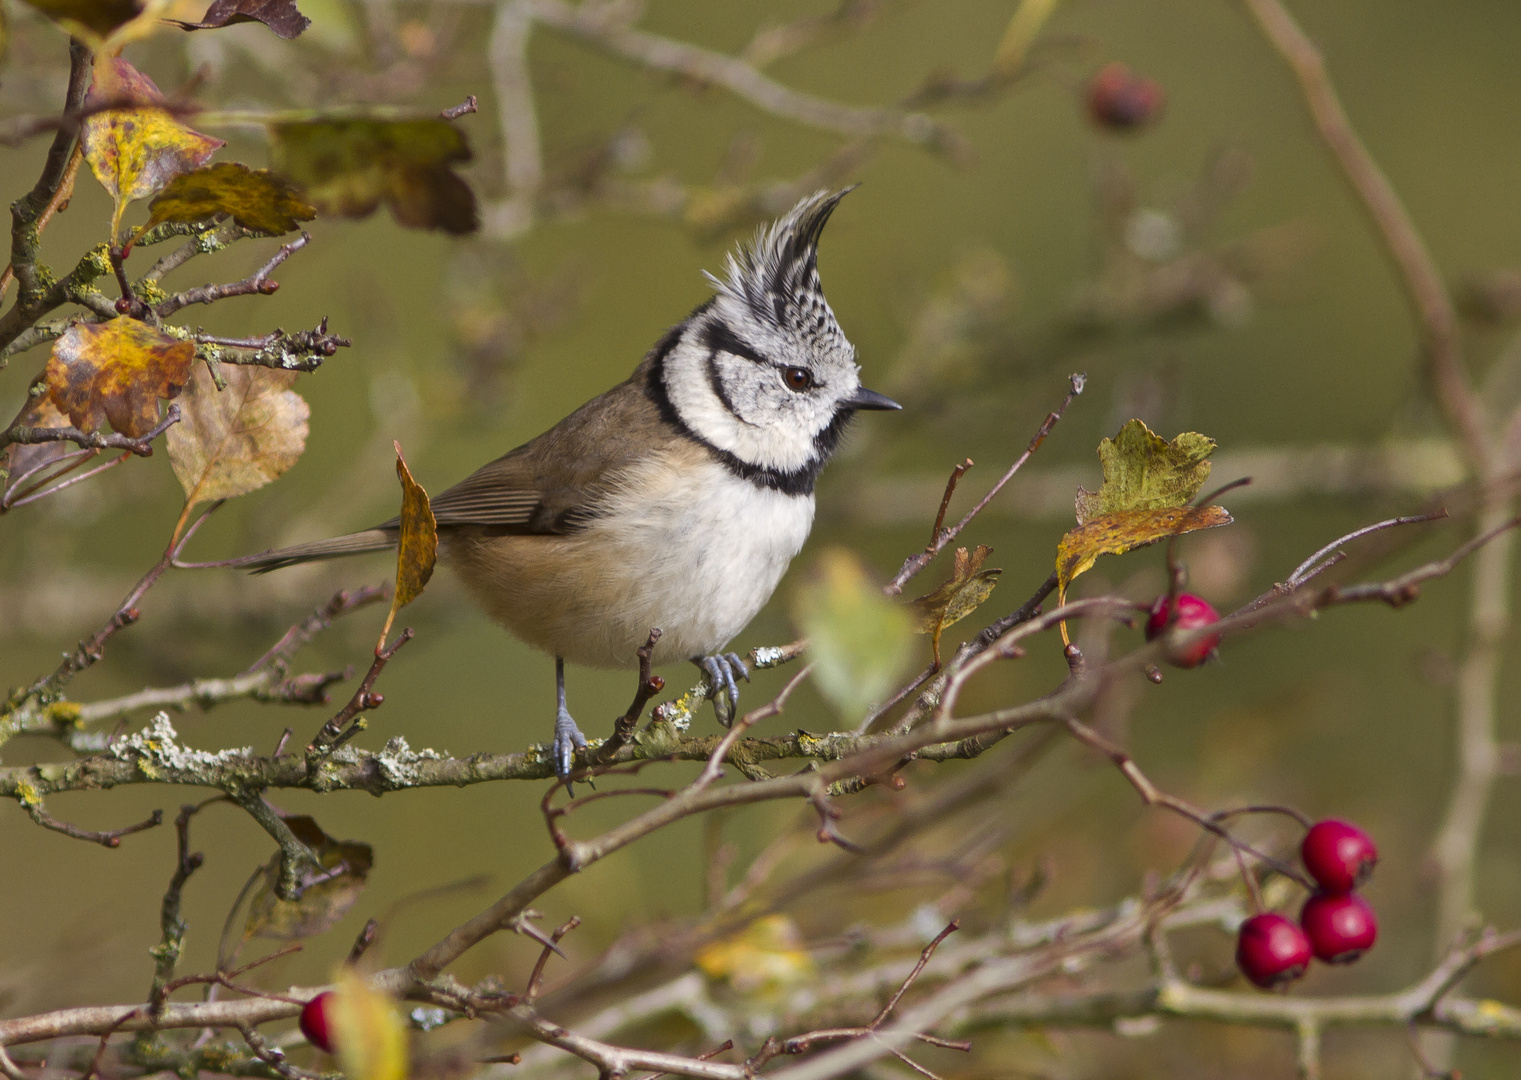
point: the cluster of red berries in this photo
(1193, 613)
(1335, 925)
(317, 1021)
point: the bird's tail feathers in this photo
(336, 548)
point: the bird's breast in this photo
(679, 544)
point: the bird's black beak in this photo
(870, 400)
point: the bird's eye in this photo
(797, 379)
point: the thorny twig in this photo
(648, 686)
(142, 445)
(257, 282)
(108, 839)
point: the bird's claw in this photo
(723, 671)
(568, 739)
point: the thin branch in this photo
(647, 687)
(744, 80)
(915, 563)
(108, 839)
(1309, 566)
(1433, 308)
(95, 440)
(334, 734)
(258, 282)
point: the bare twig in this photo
(96, 440)
(108, 839)
(334, 734)
(648, 686)
(258, 282)
(915, 563)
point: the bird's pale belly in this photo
(696, 552)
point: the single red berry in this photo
(1340, 927)
(1120, 99)
(1271, 950)
(123, 306)
(316, 1021)
(1338, 855)
(1194, 613)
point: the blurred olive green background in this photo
(1347, 715)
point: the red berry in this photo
(1340, 928)
(316, 1021)
(1118, 98)
(1338, 855)
(1271, 950)
(1194, 613)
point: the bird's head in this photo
(763, 371)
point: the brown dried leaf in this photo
(238, 439)
(1126, 530)
(116, 372)
(280, 16)
(25, 460)
(100, 16)
(969, 586)
(417, 552)
(1143, 471)
(134, 151)
(255, 198)
(326, 895)
(348, 167)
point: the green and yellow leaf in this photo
(1143, 471)
(1126, 530)
(235, 440)
(256, 199)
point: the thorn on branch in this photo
(551, 945)
(363, 942)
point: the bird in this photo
(675, 500)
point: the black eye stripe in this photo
(717, 335)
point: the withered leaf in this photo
(1125, 530)
(255, 198)
(135, 150)
(233, 441)
(280, 16)
(116, 372)
(969, 586)
(417, 551)
(326, 896)
(100, 16)
(1143, 471)
(767, 955)
(349, 166)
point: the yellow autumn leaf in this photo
(137, 149)
(1126, 530)
(417, 552)
(765, 957)
(116, 372)
(368, 1035)
(969, 586)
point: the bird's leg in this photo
(723, 670)
(568, 737)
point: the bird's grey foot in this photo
(568, 739)
(723, 671)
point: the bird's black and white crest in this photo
(776, 276)
(762, 374)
